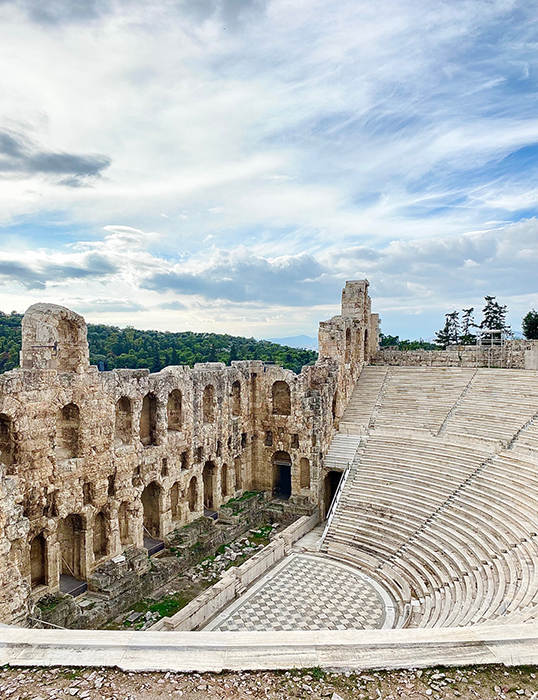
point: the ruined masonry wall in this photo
(516, 354)
(91, 463)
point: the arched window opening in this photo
(100, 539)
(208, 404)
(151, 497)
(123, 522)
(111, 486)
(348, 345)
(174, 409)
(236, 398)
(7, 443)
(238, 469)
(184, 460)
(87, 493)
(38, 562)
(209, 484)
(192, 494)
(219, 448)
(148, 420)
(224, 481)
(295, 440)
(175, 501)
(268, 438)
(281, 399)
(124, 421)
(67, 432)
(304, 473)
(282, 475)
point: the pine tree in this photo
(529, 325)
(467, 323)
(494, 318)
(449, 335)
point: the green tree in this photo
(494, 317)
(467, 323)
(449, 334)
(529, 325)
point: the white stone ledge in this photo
(216, 651)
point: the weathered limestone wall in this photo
(94, 462)
(516, 354)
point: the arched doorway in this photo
(331, 483)
(282, 475)
(151, 496)
(38, 561)
(209, 483)
(72, 549)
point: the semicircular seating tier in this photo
(441, 500)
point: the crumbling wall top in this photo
(54, 337)
(354, 298)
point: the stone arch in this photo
(209, 474)
(7, 441)
(281, 475)
(124, 523)
(124, 421)
(281, 398)
(148, 420)
(175, 501)
(174, 409)
(304, 473)
(208, 404)
(236, 398)
(100, 536)
(38, 561)
(72, 546)
(192, 493)
(224, 480)
(68, 432)
(238, 472)
(151, 501)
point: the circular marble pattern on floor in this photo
(309, 592)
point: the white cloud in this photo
(354, 138)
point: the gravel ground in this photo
(482, 682)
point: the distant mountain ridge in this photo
(297, 341)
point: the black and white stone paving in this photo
(309, 592)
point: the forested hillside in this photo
(128, 347)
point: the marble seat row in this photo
(451, 532)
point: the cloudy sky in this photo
(225, 165)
